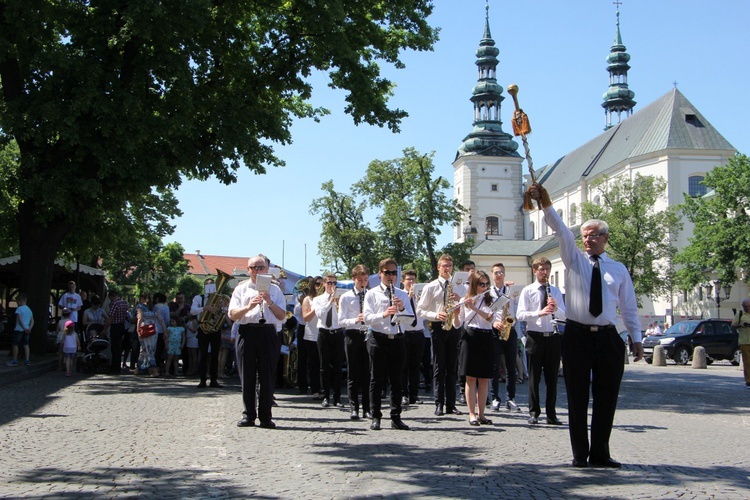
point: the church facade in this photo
(668, 138)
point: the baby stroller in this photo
(94, 359)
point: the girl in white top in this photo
(71, 345)
(311, 338)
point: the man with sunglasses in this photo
(505, 351)
(330, 341)
(385, 341)
(593, 351)
(538, 305)
(260, 315)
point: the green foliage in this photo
(641, 237)
(9, 161)
(721, 237)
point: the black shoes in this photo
(533, 420)
(554, 421)
(367, 414)
(607, 462)
(375, 424)
(439, 410)
(202, 385)
(246, 422)
(454, 411)
(396, 423)
(579, 463)
(267, 425)
(325, 403)
(215, 385)
(354, 415)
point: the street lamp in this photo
(716, 287)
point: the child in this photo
(60, 336)
(71, 345)
(192, 345)
(174, 342)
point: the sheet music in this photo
(460, 278)
(263, 282)
(339, 292)
(417, 288)
(499, 303)
(402, 319)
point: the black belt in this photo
(415, 331)
(326, 330)
(544, 334)
(592, 328)
(480, 330)
(256, 326)
(388, 335)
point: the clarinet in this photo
(548, 290)
(393, 321)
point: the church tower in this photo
(619, 98)
(487, 176)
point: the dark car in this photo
(717, 336)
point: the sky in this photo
(554, 51)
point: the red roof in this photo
(203, 265)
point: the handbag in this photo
(146, 330)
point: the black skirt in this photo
(475, 356)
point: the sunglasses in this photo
(484, 284)
(257, 268)
(331, 282)
(389, 273)
(499, 273)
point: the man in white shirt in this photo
(593, 351)
(352, 320)
(414, 337)
(330, 341)
(72, 301)
(505, 351)
(539, 306)
(260, 315)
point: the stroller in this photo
(94, 359)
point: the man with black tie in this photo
(432, 307)
(330, 341)
(504, 350)
(260, 315)
(414, 337)
(385, 342)
(593, 351)
(352, 320)
(538, 305)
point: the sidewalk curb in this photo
(12, 374)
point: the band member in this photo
(385, 342)
(302, 380)
(415, 340)
(539, 305)
(352, 320)
(260, 316)
(504, 350)
(593, 351)
(475, 354)
(311, 337)
(467, 266)
(330, 341)
(432, 307)
(206, 339)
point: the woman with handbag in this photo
(146, 326)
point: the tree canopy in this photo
(113, 102)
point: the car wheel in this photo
(681, 355)
(737, 357)
(649, 360)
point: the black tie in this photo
(595, 299)
(544, 296)
(413, 323)
(329, 317)
(445, 292)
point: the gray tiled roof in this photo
(670, 122)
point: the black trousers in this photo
(313, 365)
(116, 333)
(445, 364)
(414, 342)
(258, 349)
(386, 362)
(505, 350)
(596, 361)
(358, 369)
(426, 367)
(331, 352)
(204, 341)
(302, 360)
(544, 356)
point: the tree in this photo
(721, 237)
(345, 239)
(414, 205)
(640, 236)
(111, 101)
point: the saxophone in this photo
(450, 306)
(508, 322)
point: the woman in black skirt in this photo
(475, 352)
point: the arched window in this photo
(531, 230)
(597, 200)
(491, 226)
(573, 215)
(696, 187)
(544, 227)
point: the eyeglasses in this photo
(389, 273)
(256, 268)
(331, 282)
(483, 284)
(591, 236)
(498, 273)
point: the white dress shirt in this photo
(349, 308)
(322, 304)
(617, 287)
(474, 319)
(244, 293)
(376, 302)
(530, 305)
(432, 300)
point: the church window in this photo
(695, 186)
(597, 200)
(560, 213)
(531, 231)
(493, 187)
(544, 227)
(491, 226)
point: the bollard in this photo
(699, 358)
(660, 359)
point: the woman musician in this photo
(476, 350)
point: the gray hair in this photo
(599, 224)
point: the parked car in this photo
(717, 336)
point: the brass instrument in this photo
(508, 322)
(450, 306)
(211, 322)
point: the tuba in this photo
(508, 322)
(211, 322)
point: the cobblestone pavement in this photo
(680, 433)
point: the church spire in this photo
(618, 99)
(487, 138)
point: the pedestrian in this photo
(174, 343)
(22, 330)
(742, 322)
(71, 346)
